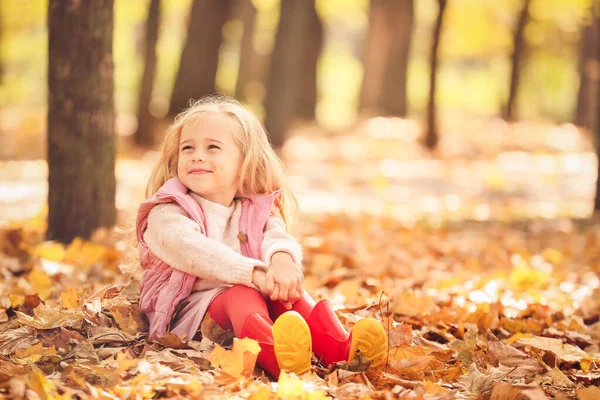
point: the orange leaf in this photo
(70, 298)
(238, 362)
(589, 393)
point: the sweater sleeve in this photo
(277, 239)
(178, 241)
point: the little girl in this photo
(216, 254)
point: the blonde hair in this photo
(261, 172)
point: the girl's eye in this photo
(186, 147)
(212, 146)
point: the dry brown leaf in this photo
(534, 394)
(565, 352)
(9, 370)
(48, 318)
(400, 335)
(15, 339)
(477, 382)
(63, 339)
(560, 379)
(173, 341)
(589, 393)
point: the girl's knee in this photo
(241, 292)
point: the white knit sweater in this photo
(215, 258)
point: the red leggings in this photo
(231, 307)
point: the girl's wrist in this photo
(282, 256)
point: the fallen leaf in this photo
(589, 393)
(560, 379)
(565, 352)
(534, 394)
(40, 283)
(400, 335)
(52, 251)
(239, 361)
(34, 353)
(477, 382)
(172, 341)
(83, 253)
(14, 339)
(70, 298)
(49, 318)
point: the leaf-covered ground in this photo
(474, 310)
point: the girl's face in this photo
(209, 159)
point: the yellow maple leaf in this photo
(124, 363)
(41, 385)
(518, 336)
(239, 361)
(126, 322)
(83, 253)
(52, 251)
(40, 283)
(70, 298)
(16, 300)
(434, 388)
(523, 277)
(292, 387)
(34, 353)
(405, 351)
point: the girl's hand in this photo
(259, 280)
(284, 279)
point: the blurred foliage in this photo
(474, 71)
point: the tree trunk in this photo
(431, 138)
(394, 88)
(1, 55)
(585, 114)
(386, 57)
(518, 52)
(247, 52)
(288, 60)
(313, 46)
(81, 141)
(144, 136)
(596, 67)
(200, 56)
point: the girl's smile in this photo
(199, 171)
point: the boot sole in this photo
(369, 341)
(292, 343)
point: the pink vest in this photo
(163, 287)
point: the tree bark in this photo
(386, 57)
(517, 56)
(1, 55)
(284, 88)
(144, 135)
(596, 76)
(200, 56)
(81, 141)
(585, 113)
(431, 137)
(313, 46)
(247, 52)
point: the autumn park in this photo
(300, 199)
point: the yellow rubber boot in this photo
(292, 343)
(369, 342)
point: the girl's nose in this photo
(198, 156)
